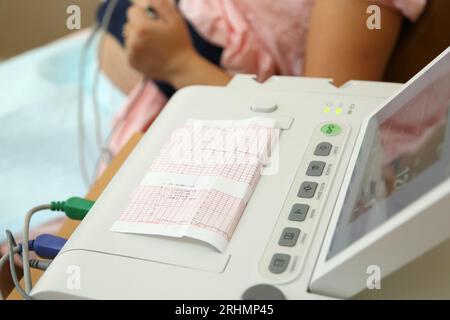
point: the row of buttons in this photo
(299, 211)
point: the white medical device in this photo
(362, 181)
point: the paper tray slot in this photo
(182, 252)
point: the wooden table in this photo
(70, 225)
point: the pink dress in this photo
(263, 37)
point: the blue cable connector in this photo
(46, 246)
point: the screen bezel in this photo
(361, 250)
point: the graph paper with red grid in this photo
(199, 184)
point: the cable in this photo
(46, 246)
(40, 264)
(80, 118)
(96, 104)
(25, 251)
(105, 150)
(3, 261)
(19, 288)
(80, 107)
(102, 146)
(5, 258)
(34, 263)
(104, 25)
(75, 208)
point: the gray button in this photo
(289, 237)
(263, 106)
(315, 168)
(323, 149)
(279, 263)
(307, 190)
(263, 292)
(299, 212)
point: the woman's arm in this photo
(198, 71)
(340, 46)
(161, 48)
(115, 65)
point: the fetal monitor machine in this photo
(362, 180)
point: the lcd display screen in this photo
(405, 154)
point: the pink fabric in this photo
(409, 8)
(263, 37)
(141, 108)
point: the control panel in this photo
(286, 251)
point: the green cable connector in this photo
(75, 208)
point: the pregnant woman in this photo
(207, 41)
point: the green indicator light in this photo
(331, 129)
(327, 110)
(338, 111)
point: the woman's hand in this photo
(160, 48)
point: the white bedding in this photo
(38, 127)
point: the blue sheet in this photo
(38, 127)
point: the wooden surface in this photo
(70, 225)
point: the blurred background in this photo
(26, 24)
